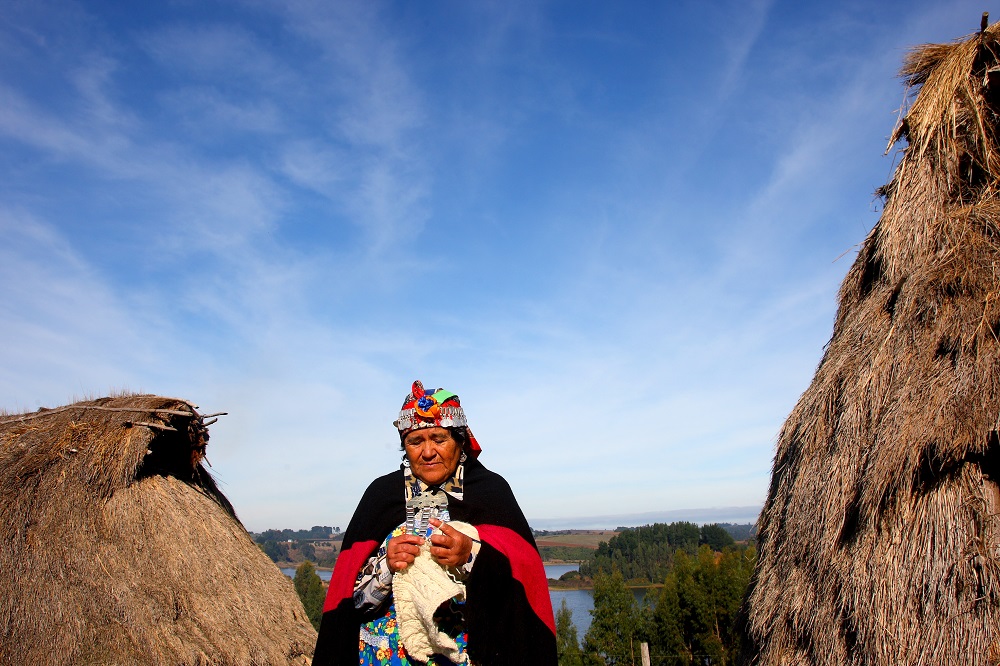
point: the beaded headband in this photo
(433, 409)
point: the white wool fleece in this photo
(418, 590)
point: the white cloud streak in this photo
(286, 245)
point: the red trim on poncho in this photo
(526, 566)
(345, 573)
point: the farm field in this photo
(576, 538)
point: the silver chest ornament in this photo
(422, 507)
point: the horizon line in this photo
(731, 514)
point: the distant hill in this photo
(733, 514)
(577, 538)
(740, 532)
(648, 553)
(570, 545)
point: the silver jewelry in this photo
(422, 507)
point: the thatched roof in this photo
(116, 547)
(879, 537)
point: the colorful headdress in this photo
(430, 409)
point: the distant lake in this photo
(324, 575)
(551, 571)
(556, 571)
(579, 602)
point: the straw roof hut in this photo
(116, 546)
(878, 542)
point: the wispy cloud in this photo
(228, 56)
(374, 106)
(66, 332)
(617, 248)
(741, 33)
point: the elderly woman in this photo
(438, 564)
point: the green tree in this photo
(643, 553)
(667, 636)
(695, 612)
(278, 552)
(567, 644)
(683, 617)
(310, 590)
(694, 621)
(616, 630)
(307, 551)
(734, 570)
(716, 537)
(706, 592)
(327, 560)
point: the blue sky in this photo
(616, 230)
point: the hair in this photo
(459, 433)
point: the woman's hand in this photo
(403, 550)
(452, 548)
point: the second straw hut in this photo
(879, 536)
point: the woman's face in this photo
(433, 454)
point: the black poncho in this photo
(508, 611)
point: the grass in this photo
(589, 539)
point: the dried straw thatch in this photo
(116, 547)
(879, 537)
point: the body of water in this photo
(551, 571)
(323, 574)
(556, 571)
(579, 602)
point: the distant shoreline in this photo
(295, 565)
(590, 586)
(554, 563)
(569, 586)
